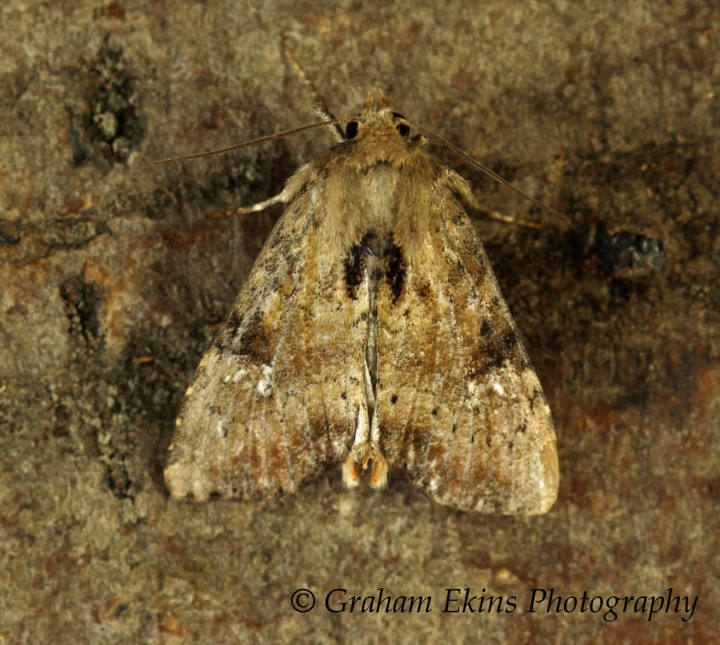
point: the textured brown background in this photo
(113, 281)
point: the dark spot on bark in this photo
(343, 395)
(117, 477)
(113, 125)
(9, 233)
(626, 254)
(454, 428)
(82, 300)
(510, 445)
(434, 412)
(521, 428)
(393, 399)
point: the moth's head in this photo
(378, 120)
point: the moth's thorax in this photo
(379, 181)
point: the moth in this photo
(371, 332)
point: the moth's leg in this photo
(559, 222)
(319, 104)
(509, 219)
(293, 187)
(254, 208)
(462, 190)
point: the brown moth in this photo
(370, 332)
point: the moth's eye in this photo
(403, 129)
(351, 129)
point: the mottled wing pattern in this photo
(459, 404)
(278, 393)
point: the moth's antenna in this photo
(252, 142)
(488, 172)
(319, 104)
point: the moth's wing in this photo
(459, 404)
(277, 395)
